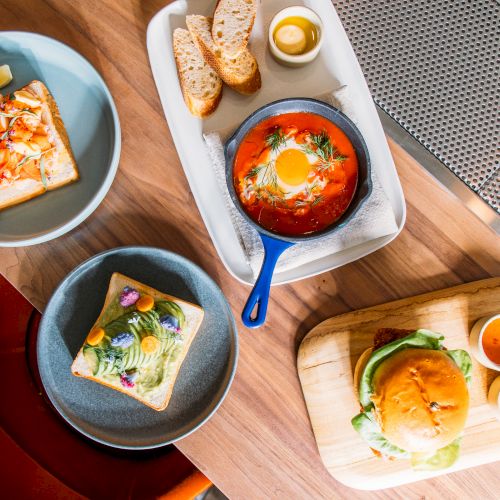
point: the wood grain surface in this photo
(260, 443)
(327, 358)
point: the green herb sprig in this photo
(9, 128)
(323, 150)
(28, 158)
(113, 355)
(276, 140)
(42, 173)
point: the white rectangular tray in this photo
(336, 65)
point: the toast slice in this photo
(200, 84)
(35, 152)
(136, 350)
(233, 23)
(240, 72)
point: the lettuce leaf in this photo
(423, 339)
(441, 459)
(369, 430)
(463, 361)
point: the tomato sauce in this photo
(491, 341)
(297, 215)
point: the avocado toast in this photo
(138, 343)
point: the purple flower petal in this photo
(129, 297)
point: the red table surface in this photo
(40, 454)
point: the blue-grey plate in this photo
(106, 415)
(91, 119)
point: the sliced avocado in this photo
(109, 360)
(92, 357)
(168, 307)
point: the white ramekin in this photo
(299, 59)
(476, 342)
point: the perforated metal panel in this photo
(434, 67)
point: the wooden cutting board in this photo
(326, 361)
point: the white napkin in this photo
(374, 219)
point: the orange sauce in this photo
(491, 341)
(295, 216)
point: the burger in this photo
(414, 397)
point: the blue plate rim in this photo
(99, 196)
(168, 254)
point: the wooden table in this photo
(260, 443)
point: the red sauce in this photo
(491, 341)
(304, 212)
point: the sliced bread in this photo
(134, 351)
(233, 23)
(200, 84)
(60, 169)
(240, 72)
(35, 152)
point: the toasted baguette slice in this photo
(233, 23)
(240, 72)
(200, 85)
(59, 165)
(170, 363)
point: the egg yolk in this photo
(292, 167)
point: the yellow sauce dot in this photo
(150, 344)
(95, 336)
(145, 303)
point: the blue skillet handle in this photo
(259, 297)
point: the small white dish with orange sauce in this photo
(484, 341)
(494, 396)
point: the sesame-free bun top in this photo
(421, 399)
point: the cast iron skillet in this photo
(274, 243)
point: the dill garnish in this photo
(319, 199)
(151, 322)
(309, 203)
(254, 171)
(266, 175)
(112, 355)
(276, 139)
(322, 148)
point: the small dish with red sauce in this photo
(296, 169)
(484, 341)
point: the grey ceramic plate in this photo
(108, 416)
(91, 120)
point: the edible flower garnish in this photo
(95, 336)
(134, 319)
(123, 339)
(145, 303)
(128, 379)
(150, 344)
(129, 296)
(170, 322)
